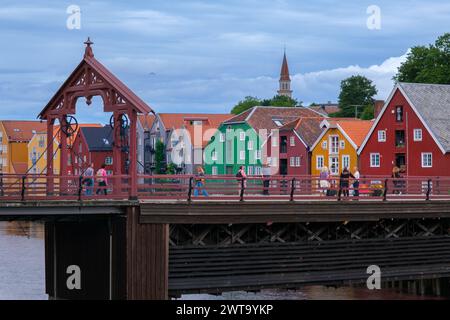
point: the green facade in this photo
(228, 153)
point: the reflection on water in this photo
(22, 260)
(22, 273)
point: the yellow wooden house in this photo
(338, 144)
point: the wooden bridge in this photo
(277, 232)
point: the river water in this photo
(22, 273)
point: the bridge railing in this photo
(194, 188)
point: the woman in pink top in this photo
(102, 180)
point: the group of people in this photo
(89, 180)
(325, 182)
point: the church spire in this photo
(285, 79)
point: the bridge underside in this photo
(292, 265)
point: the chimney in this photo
(378, 106)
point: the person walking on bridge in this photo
(242, 179)
(89, 179)
(102, 180)
(345, 182)
(200, 182)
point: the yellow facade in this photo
(11, 152)
(37, 154)
(325, 153)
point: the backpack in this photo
(239, 174)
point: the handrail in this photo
(227, 187)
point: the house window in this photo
(278, 123)
(221, 137)
(242, 155)
(324, 145)
(196, 122)
(250, 145)
(292, 161)
(399, 138)
(258, 154)
(41, 141)
(214, 156)
(417, 134)
(346, 161)
(258, 171)
(297, 161)
(334, 144)
(399, 113)
(381, 135)
(250, 170)
(319, 162)
(334, 165)
(274, 141)
(292, 141)
(214, 171)
(108, 161)
(342, 144)
(109, 172)
(427, 160)
(374, 160)
(242, 136)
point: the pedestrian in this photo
(88, 179)
(356, 174)
(324, 184)
(200, 182)
(266, 175)
(344, 182)
(102, 180)
(395, 175)
(242, 179)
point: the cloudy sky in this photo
(204, 56)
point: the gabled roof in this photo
(108, 76)
(146, 120)
(173, 121)
(354, 130)
(431, 103)
(265, 117)
(307, 128)
(98, 139)
(325, 109)
(22, 131)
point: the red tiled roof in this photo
(308, 128)
(284, 74)
(264, 117)
(356, 129)
(22, 131)
(146, 120)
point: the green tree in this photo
(279, 101)
(247, 103)
(427, 64)
(171, 168)
(368, 113)
(159, 157)
(356, 92)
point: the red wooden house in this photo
(295, 141)
(92, 145)
(412, 131)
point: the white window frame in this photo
(347, 157)
(337, 169)
(274, 141)
(258, 154)
(297, 162)
(242, 136)
(320, 160)
(292, 141)
(341, 144)
(258, 170)
(416, 134)
(242, 155)
(381, 135)
(250, 145)
(221, 137)
(250, 170)
(332, 149)
(214, 170)
(425, 163)
(108, 162)
(324, 144)
(373, 163)
(214, 155)
(292, 161)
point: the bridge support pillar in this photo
(147, 258)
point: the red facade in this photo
(81, 157)
(400, 148)
(293, 155)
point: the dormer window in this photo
(196, 122)
(278, 123)
(105, 141)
